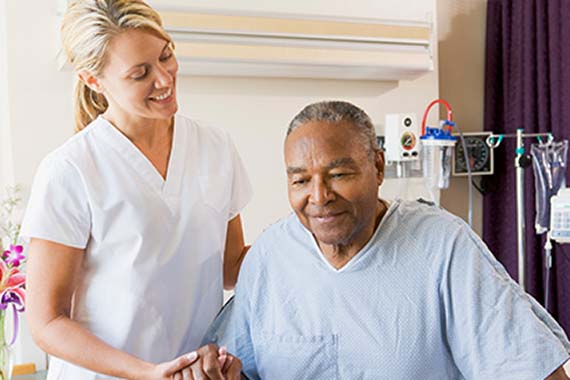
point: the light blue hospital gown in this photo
(424, 299)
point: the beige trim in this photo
(288, 54)
(298, 47)
(283, 26)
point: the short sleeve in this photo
(241, 190)
(494, 329)
(58, 209)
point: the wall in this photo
(255, 111)
(6, 163)
(461, 34)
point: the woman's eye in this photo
(140, 75)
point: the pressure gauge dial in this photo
(479, 154)
(408, 141)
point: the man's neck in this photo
(340, 255)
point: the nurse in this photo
(134, 222)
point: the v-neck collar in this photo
(168, 186)
(392, 206)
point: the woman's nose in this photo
(163, 77)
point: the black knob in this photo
(525, 160)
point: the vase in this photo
(6, 357)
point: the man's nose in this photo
(321, 193)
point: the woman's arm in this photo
(52, 275)
(234, 253)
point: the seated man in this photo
(353, 287)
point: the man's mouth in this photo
(325, 218)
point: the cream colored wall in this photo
(6, 164)
(255, 111)
(461, 35)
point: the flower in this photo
(11, 287)
(14, 255)
(12, 280)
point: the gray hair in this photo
(337, 112)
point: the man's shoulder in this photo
(274, 242)
(277, 235)
(428, 213)
(421, 225)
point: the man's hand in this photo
(212, 364)
(207, 367)
(231, 366)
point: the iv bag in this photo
(549, 166)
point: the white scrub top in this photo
(152, 277)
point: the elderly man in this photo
(353, 287)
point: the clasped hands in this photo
(207, 363)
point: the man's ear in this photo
(379, 162)
(90, 81)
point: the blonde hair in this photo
(88, 27)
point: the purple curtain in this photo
(527, 85)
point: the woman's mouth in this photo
(162, 98)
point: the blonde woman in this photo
(134, 222)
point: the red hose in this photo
(447, 107)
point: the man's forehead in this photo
(301, 166)
(321, 136)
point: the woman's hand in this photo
(172, 369)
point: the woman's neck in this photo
(142, 132)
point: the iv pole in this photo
(522, 161)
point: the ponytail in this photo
(87, 28)
(88, 105)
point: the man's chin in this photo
(330, 239)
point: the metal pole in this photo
(520, 209)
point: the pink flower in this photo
(11, 286)
(14, 255)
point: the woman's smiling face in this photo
(139, 76)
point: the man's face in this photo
(333, 182)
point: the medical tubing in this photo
(428, 108)
(469, 176)
(547, 265)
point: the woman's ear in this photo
(90, 81)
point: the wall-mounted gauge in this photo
(479, 153)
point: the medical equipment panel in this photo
(480, 155)
(402, 137)
(560, 216)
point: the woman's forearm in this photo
(68, 340)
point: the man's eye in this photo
(299, 182)
(339, 175)
(166, 56)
